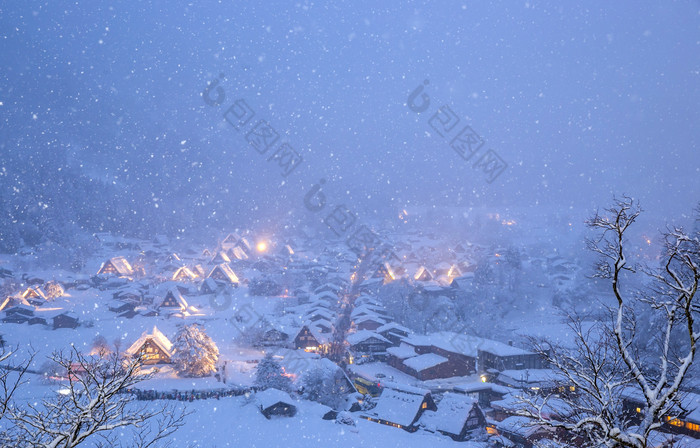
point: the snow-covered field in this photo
(237, 422)
(232, 422)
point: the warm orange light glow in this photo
(262, 246)
(674, 421)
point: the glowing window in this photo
(675, 422)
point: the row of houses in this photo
(411, 408)
(374, 337)
(404, 407)
(219, 271)
(25, 314)
(318, 319)
(442, 274)
(447, 354)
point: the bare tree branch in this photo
(93, 405)
(604, 366)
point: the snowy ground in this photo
(236, 423)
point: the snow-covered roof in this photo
(325, 296)
(322, 326)
(244, 243)
(405, 388)
(129, 289)
(231, 238)
(322, 312)
(223, 272)
(117, 303)
(522, 426)
(454, 271)
(531, 376)
(402, 352)
(24, 308)
(328, 287)
(321, 338)
(174, 298)
(425, 361)
(364, 335)
(393, 327)
(465, 344)
(209, 283)
(397, 406)
(14, 301)
(120, 264)
(319, 303)
(370, 318)
(157, 337)
(68, 314)
(476, 386)
(423, 274)
(452, 413)
(270, 397)
(372, 282)
(34, 291)
(184, 271)
(220, 257)
(366, 300)
(553, 407)
(238, 253)
(367, 309)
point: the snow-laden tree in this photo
(395, 297)
(100, 345)
(196, 353)
(313, 383)
(254, 335)
(270, 374)
(326, 386)
(512, 267)
(94, 406)
(484, 275)
(604, 366)
(53, 289)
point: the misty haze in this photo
(345, 224)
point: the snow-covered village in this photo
(351, 225)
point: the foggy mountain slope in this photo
(113, 91)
